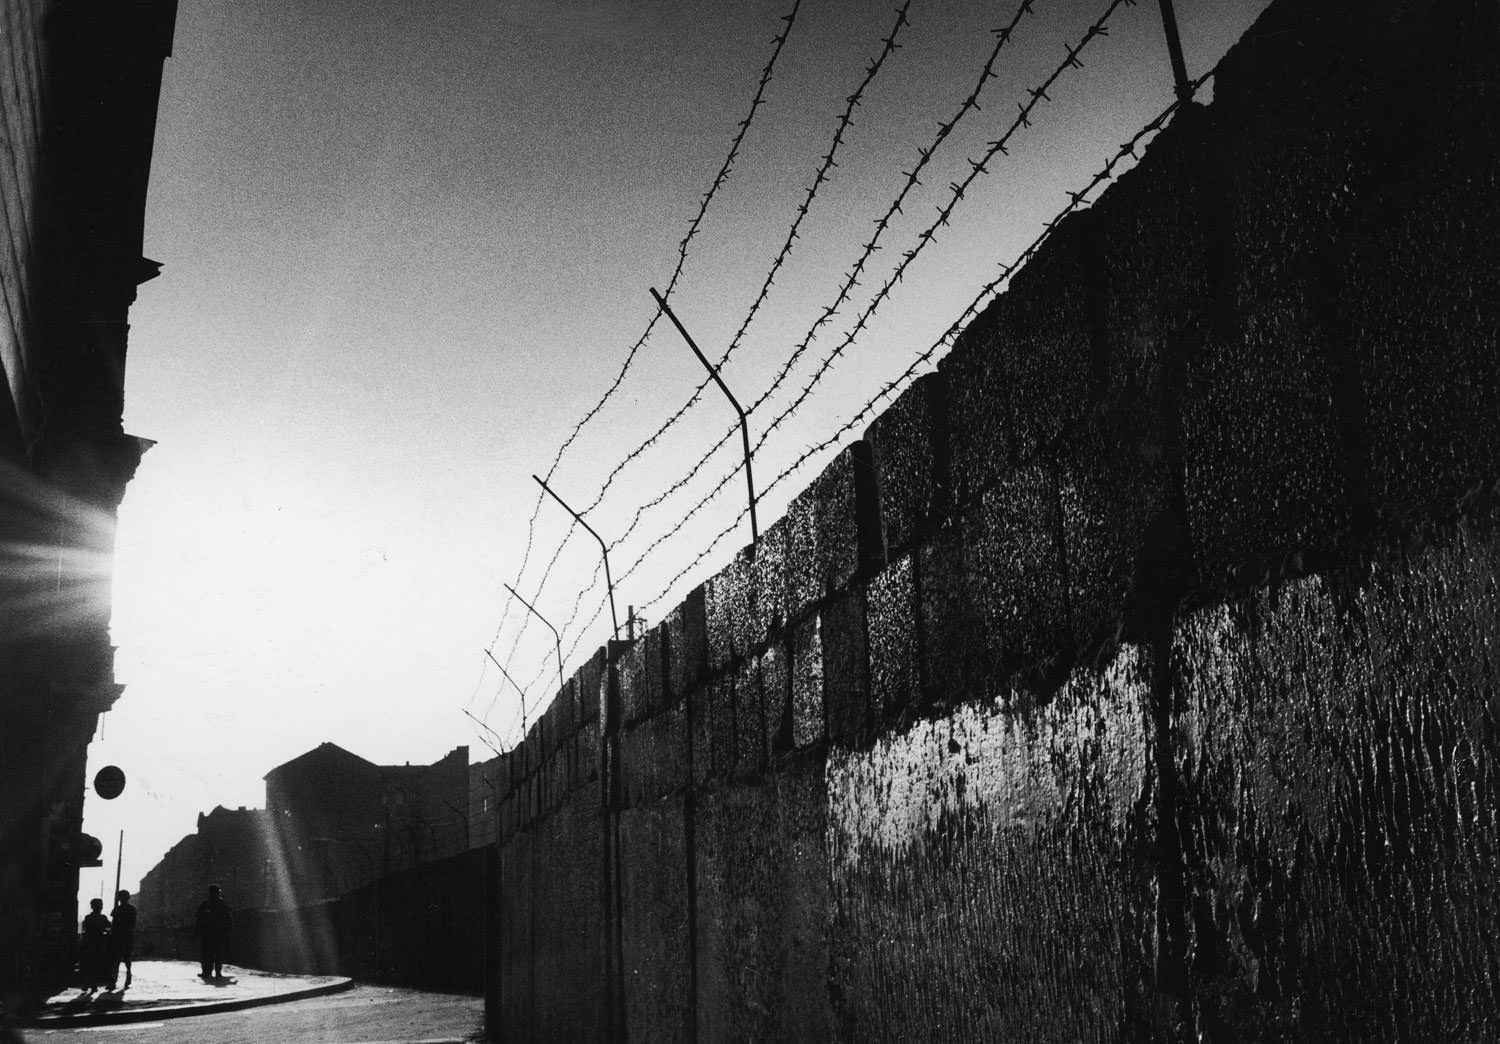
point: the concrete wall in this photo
(21, 55)
(1133, 678)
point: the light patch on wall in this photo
(1024, 771)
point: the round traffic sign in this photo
(109, 782)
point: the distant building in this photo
(230, 849)
(333, 822)
(77, 118)
(349, 821)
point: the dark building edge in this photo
(65, 459)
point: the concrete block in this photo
(1263, 456)
(730, 617)
(551, 728)
(804, 579)
(656, 669)
(954, 653)
(980, 439)
(846, 668)
(1044, 336)
(540, 782)
(808, 719)
(894, 653)
(1162, 264)
(1335, 738)
(909, 454)
(590, 686)
(1115, 489)
(566, 704)
(1027, 365)
(585, 759)
(846, 518)
(750, 744)
(654, 756)
(510, 816)
(723, 752)
(686, 643)
(1015, 539)
(611, 687)
(776, 698)
(514, 896)
(768, 577)
(656, 949)
(559, 773)
(1336, 117)
(1292, 172)
(763, 909)
(1031, 825)
(700, 734)
(533, 746)
(568, 984)
(497, 774)
(642, 678)
(631, 665)
(1426, 348)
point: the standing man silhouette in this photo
(121, 939)
(215, 926)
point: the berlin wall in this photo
(1134, 677)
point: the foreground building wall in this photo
(81, 80)
(1133, 678)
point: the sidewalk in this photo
(170, 989)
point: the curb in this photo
(122, 1015)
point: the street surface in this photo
(363, 1015)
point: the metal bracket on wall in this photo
(556, 637)
(744, 425)
(609, 582)
(1184, 86)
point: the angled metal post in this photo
(609, 582)
(522, 691)
(1174, 52)
(744, 425)
(486, 728)
(557, 637)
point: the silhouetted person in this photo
(215, 926)
(94, 949)
(121, 939)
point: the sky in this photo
(408, 246)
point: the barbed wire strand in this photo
(1076, 200)
(845, 121)
(924, 156)
(956, 194)
(882, 224)
(957, 191)
(719, 180)
(821, 175)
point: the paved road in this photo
(363, 1015)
